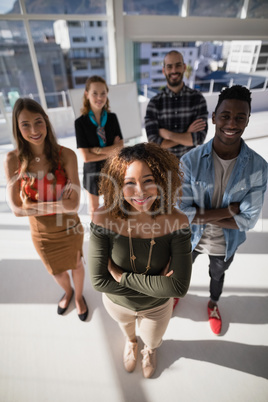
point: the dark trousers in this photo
(217, 268)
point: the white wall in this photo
(259, 101)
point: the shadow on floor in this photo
(251, 359)
(239, 309)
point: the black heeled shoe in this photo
(62, 310)
(83, 316)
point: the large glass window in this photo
(257, 9)
(212, 8)
(66, 7)
(149, 58)
(209, 65)
(16, 71)
(64, 62)
(154, 7)
(67, 55)
(10, 7)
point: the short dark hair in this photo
(237, 92)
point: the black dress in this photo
(86, 137)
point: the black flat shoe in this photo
(83, 316)
(61, 310)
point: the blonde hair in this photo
(86, 104)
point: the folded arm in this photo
(22, 205)
(171, 139)
(99, 254)
(176, 282)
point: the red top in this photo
(47, 188)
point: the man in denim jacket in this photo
(223, 191)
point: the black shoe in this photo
(83, 316)
(61, 310)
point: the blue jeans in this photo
(217, 268)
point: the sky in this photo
(6, 5)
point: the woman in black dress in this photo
(98, 134)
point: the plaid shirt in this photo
(175, 112)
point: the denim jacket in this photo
(246, 185)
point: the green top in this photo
(135, 291)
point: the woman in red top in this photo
(43, 184)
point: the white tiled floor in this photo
(45, 357)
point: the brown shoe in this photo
(148, 361)
(130, 355)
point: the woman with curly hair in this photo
(43, 184)
(98, 134)
(140, 247)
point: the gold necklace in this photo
(132, 257)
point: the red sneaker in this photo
(214, 319)
(175, 302)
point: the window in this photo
(97, 63)
(248, 48)
(264, 48)
(74, 24)
(257, 9)
(10, 7)
(66, 7)
(79, 39)
(81, 80)
(212, 8)
(72, 51)
(79, 65)
(144, 61)
(263, 60)
(156, 7)
(16, 71)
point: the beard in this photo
(175, 83)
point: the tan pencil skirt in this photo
(58, 239)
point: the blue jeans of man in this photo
(217, 268)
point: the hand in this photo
(67, 191)
(27, 203)
(234, 208)
(114, 270)
(197, 125)
(96, 150)
(165, 271)
(117, 139)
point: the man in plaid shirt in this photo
(176, 118)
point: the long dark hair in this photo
(25, 154)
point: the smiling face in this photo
(140, 189)
(173, 70)
(231, 119)
(32, 127)
(97, 95)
